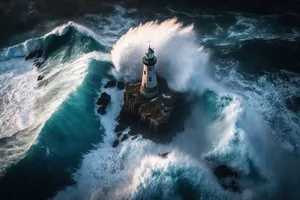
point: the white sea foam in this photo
(240, 136)
(17, 91)
(126, 172)
(269, 128)
(181, 65)
(27, 104)
(123, 172)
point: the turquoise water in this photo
(237, 118)
(71, 131)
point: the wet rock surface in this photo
(164, 155)
(101, 110)
(104, 99)
(121, 85)
(103, 102)
(227, 177)
(159, 118)
(110, 84)
(125, 137)
(40, 77)
(115, 143)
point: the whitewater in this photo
(239, 119)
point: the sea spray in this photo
(181, 61)
(270, 128)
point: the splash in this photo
(181, 61)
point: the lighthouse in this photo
(149, 87)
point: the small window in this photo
(150, 79)
(144, 71)
(149, 68)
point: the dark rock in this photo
(120, 85)
(38, 64)
(40, 77)
(125, 137)
(119, 134)
(132, 132)
(120, 127)
(104, 100)
(110, 84)
(158, 119)
(115, 143)
(101, 110)
(223, 171)
(133, 138)
(35, 54)
(164, 155)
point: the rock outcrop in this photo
(103, 102)
(159, 118)
(110, 84)
(115, 143)
(121, 85)
(164, 155)
(227, 177)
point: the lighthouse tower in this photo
(149, 87)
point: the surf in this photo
(218, 131)
(27, 103)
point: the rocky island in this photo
(152, 109)
(158, 118)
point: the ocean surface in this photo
(241, 70)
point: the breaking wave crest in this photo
(27, 104)
(181, 61)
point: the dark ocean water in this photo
(238, 62)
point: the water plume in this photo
(181, 61)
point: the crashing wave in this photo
(26, 104)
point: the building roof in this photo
(150, 50)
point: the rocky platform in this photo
(159, 118)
